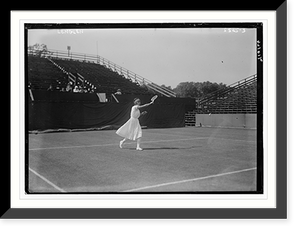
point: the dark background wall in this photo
(56, 110)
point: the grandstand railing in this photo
(50, 54)
(218, 93)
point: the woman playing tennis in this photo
(132, 129)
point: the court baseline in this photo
(114, 144)
(189, 180)
(153, 186)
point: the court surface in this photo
(190, 159)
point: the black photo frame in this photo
(281, 210)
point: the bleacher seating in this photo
(238, 98)
(44, 71)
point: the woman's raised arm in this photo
(148, 104)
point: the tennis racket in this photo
(153, 98)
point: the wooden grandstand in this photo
(93, 73)
(237, 98)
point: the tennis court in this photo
(189, 159)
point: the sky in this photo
(164, 56)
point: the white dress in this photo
(131, 129)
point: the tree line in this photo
(39, 50)
(196, 89)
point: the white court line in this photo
(143, 142)
(189, 180)
(70, 147)
(48, 181)
(115, 144)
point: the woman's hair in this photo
(136, 100)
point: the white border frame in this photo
(18, 197)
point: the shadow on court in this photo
(175, 159)
(165, 148)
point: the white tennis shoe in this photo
(121, 144)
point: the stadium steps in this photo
(42, 74)
(145, 86)
(190, 118)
